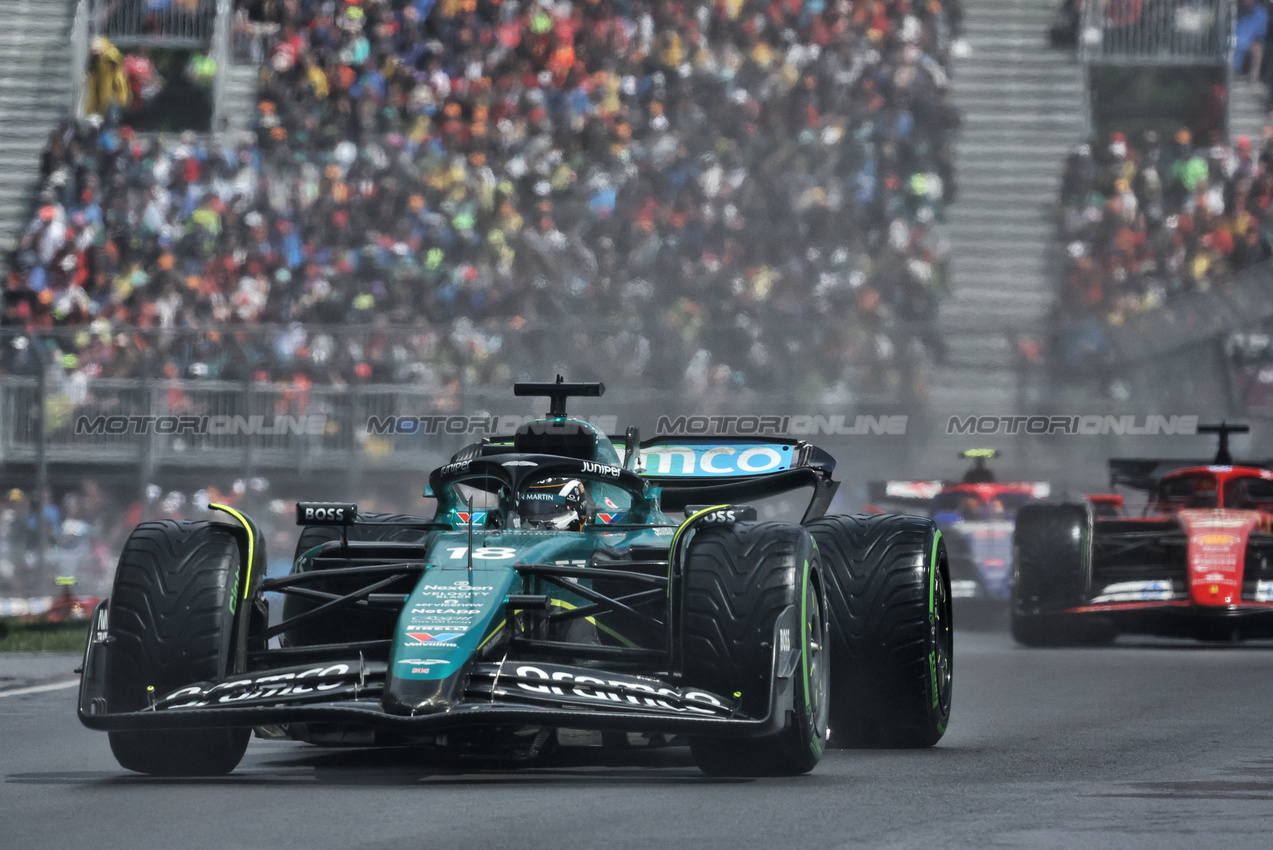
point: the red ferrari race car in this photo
(976, 517)
(1196, 561)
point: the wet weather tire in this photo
(888, 586)
(1051, 550)
(738, 581)
(172, 620)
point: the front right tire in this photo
(172, 617)
(888, 584)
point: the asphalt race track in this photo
(1145, 744)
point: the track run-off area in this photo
(1144, 744)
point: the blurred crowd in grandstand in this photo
(85, 527)
(82, 532)
(1147, 219)
(689, 195)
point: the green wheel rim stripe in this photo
(932, 571)
(815, 743)
(804, 628)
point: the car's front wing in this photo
(526, 692)
(1182, 618)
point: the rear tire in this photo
(888, 583)
(316, 535)
(738, 580)
(172, 619)
(346, 629)
(1052, 552)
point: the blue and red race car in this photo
(975, 515)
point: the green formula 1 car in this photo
(551, 597)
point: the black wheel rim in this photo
(942, 635)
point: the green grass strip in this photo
(25, 636)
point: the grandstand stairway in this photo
(1022, 104)
(35, 94)
(238, 104)
(1247, 115)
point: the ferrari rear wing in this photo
(1143, 473)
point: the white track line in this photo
(39, 689)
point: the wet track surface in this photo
(1149, 744)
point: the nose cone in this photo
(1217, 554)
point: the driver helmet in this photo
(559, 504)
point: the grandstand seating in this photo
(1148, 219)
(745, 187)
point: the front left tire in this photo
(739, 579)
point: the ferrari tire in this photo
(739, 580)
(172, 618)
(888, 585)
(1051, 552)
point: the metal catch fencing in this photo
(1156, 32)
(220, 424)
(155, 23)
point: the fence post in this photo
(41, 458)
(8, 433)
(1230, 46)
(1088, 107)
(146, 455)
(248, 456)
(357, 411)
(220, 53)
(79, 57)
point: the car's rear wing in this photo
(918, 495)
(712, 470)
(1143, 473)
(913, 495)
